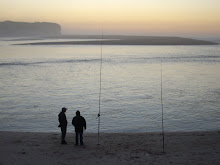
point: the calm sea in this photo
(37, 81)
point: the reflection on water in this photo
(37, 81)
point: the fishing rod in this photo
(100, 91)
(161, 96)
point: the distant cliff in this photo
(24, 29)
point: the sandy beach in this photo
(115, 148)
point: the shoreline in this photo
(202, 147)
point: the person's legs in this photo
(76, 138)
(63, 130)
(81, 138)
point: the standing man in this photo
(79, 123)
(63, 124)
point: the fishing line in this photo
(100, 91)
(161, 87)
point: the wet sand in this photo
(115, 148)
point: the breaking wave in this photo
(49, 62)
(122, 60)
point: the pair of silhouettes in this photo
(78, 122)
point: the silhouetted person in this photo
(79, 123)
(63, 124)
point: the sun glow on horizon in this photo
(119, 16)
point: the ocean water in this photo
(37, 81)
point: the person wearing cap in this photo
(63, 124)
(79, 123)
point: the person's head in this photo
(64, 109)
(77, 113)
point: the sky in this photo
(126, 17)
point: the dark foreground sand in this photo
(191, 148)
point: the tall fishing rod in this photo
(100, 90)
(161, 96)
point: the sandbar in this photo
(126, 40)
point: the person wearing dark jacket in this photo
(63, 124)
(79, 123)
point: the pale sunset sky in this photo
(127, 17)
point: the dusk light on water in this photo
(39, 80)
